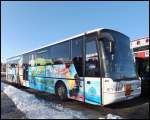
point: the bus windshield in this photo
(119, 64)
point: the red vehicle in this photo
(141, 51)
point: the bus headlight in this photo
(138, 84)
(114, 86)
(119, 86)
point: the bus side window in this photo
(77, 56)
(60, 51)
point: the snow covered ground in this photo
(35, 108)
(41, 109)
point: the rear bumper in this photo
(109, 98)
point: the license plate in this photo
(127, 89)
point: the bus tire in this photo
(61, 91)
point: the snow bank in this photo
(35, 108)
(110, 116)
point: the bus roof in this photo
(68, 38)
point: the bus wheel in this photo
(61, 91)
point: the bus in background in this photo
(141, 51)
(95, 67)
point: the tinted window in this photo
(26, 59)
(120, 64)
(43, 56)
(77, 57)
(32, 57)
(92, 61)
(61, 51)
(43, 53)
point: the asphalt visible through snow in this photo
(9, 110)
(137, 108)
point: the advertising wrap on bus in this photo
(44, 78)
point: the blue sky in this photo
(29, 25)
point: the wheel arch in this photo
(61, 82)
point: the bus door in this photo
(92, 73)
(20, 72)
